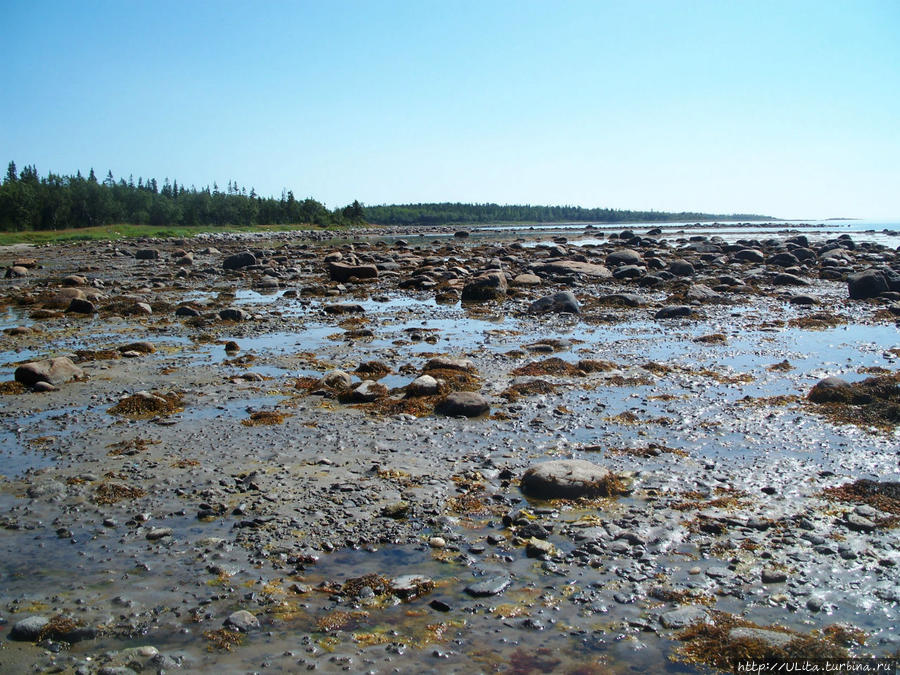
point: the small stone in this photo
(156, 533)
(437, 542)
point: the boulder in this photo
(146, 254)
(683, 617)
(29, 629)
(424, 385)
(527, 280)
(53, 371)
(341, 272)
(463, 404)
(490, 286)
(16, 272)
(233, 314)
(751, 255)
(564, 301)
(869, 283)
(367, 391)
(673, 312)
(81, 306)
(569, 267)
(242, 621)
(681, 268)
(566, 479)
(830, 389)
(336, 379)
(624, 256)
(239, 261)
(448, 363)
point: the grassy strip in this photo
(115, 232)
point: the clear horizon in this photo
(787, 109)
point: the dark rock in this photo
(673, 312)
(185, 310)
(751, 255)
(146, 254)
(870, 283)
(239, 261)
(681, 268)
(79, 306)
(233, 314)
(830, 389)
(345, 308)
(624, 256)
(683, 617)
(773, 576)
(490, 286)
(341, 272)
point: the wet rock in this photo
(187, 311)
(785, 279)
(157, 533)
(79, 306)
(463, 404)
(53, 371)
(344, 308)
(30, 629)
(146, 254)
(683, 617)
(674, 312)
(565, 301)
(242, 621)
(535, 548)
(490, 286)
(341, 272)
(489, 586)
(567, 479)
(701, 293)
(239, 261)
(411, 586)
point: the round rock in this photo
(566, 479)
(463, 403)
(242, 621)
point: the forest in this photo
(436, 214)
(57, 202)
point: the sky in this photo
(786, 108)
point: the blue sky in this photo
(787, 108)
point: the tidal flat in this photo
(278, 452)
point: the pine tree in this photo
(11, 176)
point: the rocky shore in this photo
(438, 451)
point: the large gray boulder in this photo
(53, 371)
(624, 256)
(566, 479)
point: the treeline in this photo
(438, 214)
(55, 202)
